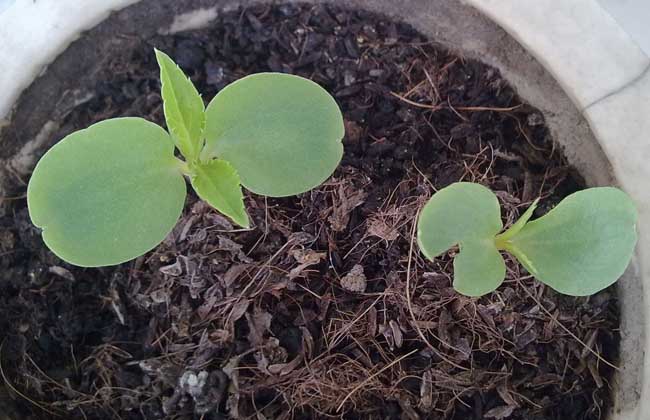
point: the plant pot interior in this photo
(325, 307)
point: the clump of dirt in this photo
(325, 308)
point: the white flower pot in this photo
(577, 65)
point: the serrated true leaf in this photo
(107, 194)
(466, 214)
(217, 183)
(282, 133)
(581, 246)
(184, 108)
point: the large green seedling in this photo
(112, 192)
(579, 248)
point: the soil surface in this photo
(324, 309)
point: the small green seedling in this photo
(112, 192)
(580, 247)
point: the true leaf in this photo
(107, 194)
(503, 238)
(581, 246)
(282, 133)
(467, 214)
(217, 183)
(183, 106)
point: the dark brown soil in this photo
(310, 315)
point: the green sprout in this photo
(113, 191)
(580, 247)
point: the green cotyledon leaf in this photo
(468, 215)
(581, 246)
(183, 106)
(282, 133)
(478, 268)
(217, 183)
(107, 194)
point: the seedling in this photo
(578, 248)
(113, 191)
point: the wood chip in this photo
(502, 412)
(219, 221)
(355, 281)
(347, 201)
(117, 306)
(258, 323)
(426, 391)
(593, 369)
(233, 273)
(397, 333)
(307, 342)
(282, 369)
(301, 238)
(380, 229)
(372, 322)
(590, 342)
(173, 270)
(306, 258)
(239, 309)
(506, 395)
(186, 227)
(61, 272)
(443, 326)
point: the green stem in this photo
(184, 167)
(502, 241)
